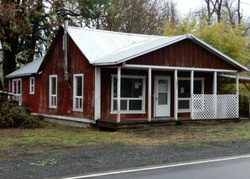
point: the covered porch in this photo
(199, 105)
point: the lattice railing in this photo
(210, 106)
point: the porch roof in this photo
(29, 69)
(232, 78)
(104, 48)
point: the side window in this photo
(32, 85)
(78, 93)
(17, 90)
(53, 91)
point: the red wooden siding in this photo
(185, 53)
(54, 65)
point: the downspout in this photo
(65, 46)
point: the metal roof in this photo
(97, 44)
(136, 50)
(110, 48)
(29, 69)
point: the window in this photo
(17, 90)
(32, 85)
(132, 94)
(184, 94)
(53, 91)
(78, 93)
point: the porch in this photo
(172, 95)
(142, 123)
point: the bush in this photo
(244, 106)
(13, 116)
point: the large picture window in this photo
(78, 93)
(184, 94)
(53, 91)
(132, 94)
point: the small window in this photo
(32, 85)
(78, 93)
(53, 91)
(184, 93)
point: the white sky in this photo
(185, 6)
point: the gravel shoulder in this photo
(90, 159)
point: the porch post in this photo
(149, 93)
(176, 95)
(118, 119)
(191, 91)
(97, 106)
(215, 94)
(215, 83)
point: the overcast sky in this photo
(185, 6)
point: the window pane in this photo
(135, 105)
(184, 88)
(131, 88)
(115, 105)
(115, 88)
(79, 86)
(183, 104)
(53, 85)
(163, 85)
(124, 105)
(197, 87)
(162, 98)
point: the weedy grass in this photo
(20, 142)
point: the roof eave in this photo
(20, 75)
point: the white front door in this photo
(162, 96)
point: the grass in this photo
(19, 142)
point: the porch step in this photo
(113, 125)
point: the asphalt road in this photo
(222, 168)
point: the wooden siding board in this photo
(183, 54)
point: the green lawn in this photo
(19, 142)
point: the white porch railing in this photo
(211, 106)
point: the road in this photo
(222, 168)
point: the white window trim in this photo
(74, 92)
(32, 85)
(18, 96)
(189, 99)
(142, 98)
(50, 90)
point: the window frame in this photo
(17, 91)
(189, 98)
(142, 98)
(75, 76)
(32, 85)
(51, 104)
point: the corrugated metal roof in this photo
(96, 44)
(29, 69)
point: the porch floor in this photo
(141, 123)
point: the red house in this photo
(95, 76)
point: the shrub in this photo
(13, 116)
(244, 106)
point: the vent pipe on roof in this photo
(65, 47)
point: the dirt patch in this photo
(12, 133)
